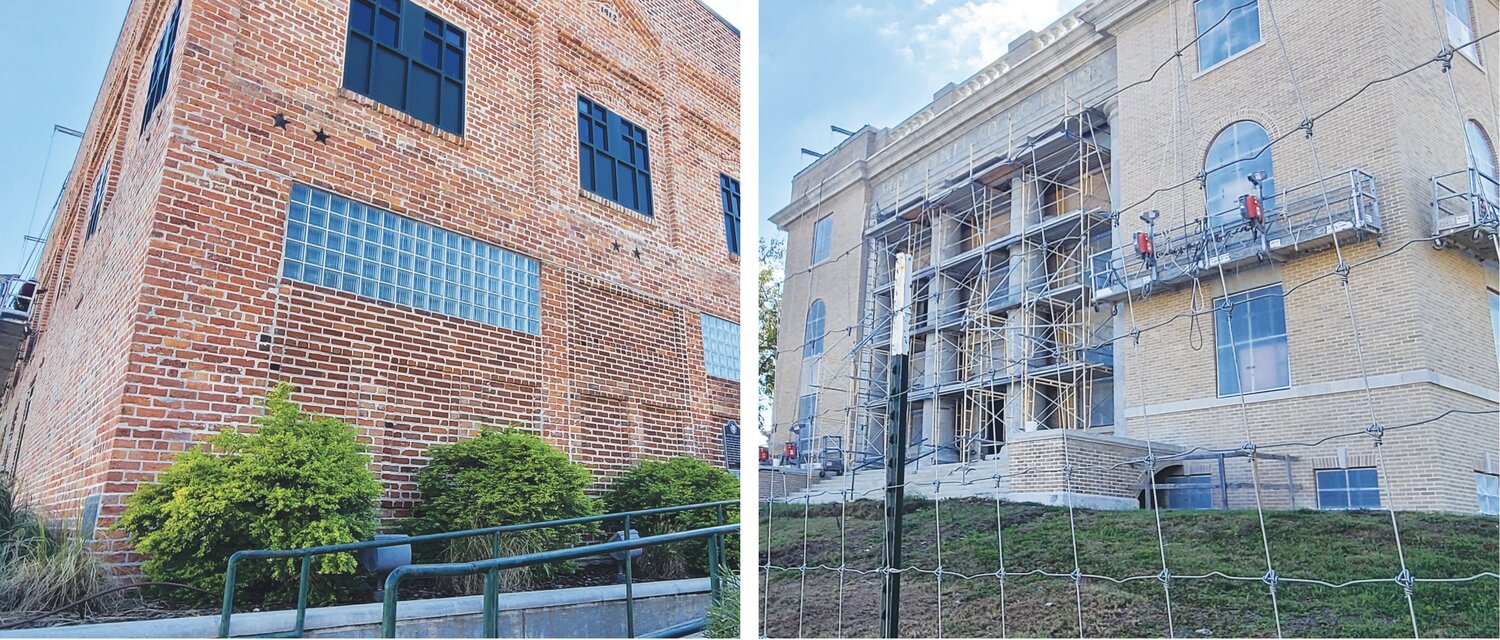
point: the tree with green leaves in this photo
(772, 268)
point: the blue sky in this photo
(867, 62)
(55, 53)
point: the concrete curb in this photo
(361, 619)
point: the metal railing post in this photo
(392, 597)
(228, 605)
(492, 603)
(723, 544)
(303, 585)
(629, 585)
(713, 570)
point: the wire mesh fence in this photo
(1030, 519)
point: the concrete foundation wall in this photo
(584, 612)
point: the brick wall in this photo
(170, 322)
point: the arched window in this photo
(1482, 161)
(1240, 151)
(813, 333)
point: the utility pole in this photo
(895, 451)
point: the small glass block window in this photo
(1487, 485)
(1348, 489)
(338, 243)
(721, 347)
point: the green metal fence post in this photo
(713, 570)
(303, 585)
(492, 593)
(492, 604)
(629, 585)
(723, 548)
(392, 597)
(228, 607)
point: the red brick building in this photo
(427, 214)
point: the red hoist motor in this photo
(1250, 208)
(1143, 246)
(765, 455)
(790, 450)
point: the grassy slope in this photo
(1330, 546)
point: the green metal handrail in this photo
(306, 554)
(492, 567)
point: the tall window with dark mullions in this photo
(729, 194)
(407, 58)
(161, 66)
(614, 161)
(96, 205)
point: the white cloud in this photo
(859, 11)
(962, 38)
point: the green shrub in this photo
(670, 483)
(42, 566)
(502, 477)
(299, 481)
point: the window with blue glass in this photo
(822, 244)
(721, 347)
(729, 195)
(96, 204)
(813, 330)
(359, 249)
(1348, 489)
(1225, 28)
(161, 66)
(1185, 492)
(1250, 335)
(614, 160)
(1240, 152)
(407, 58)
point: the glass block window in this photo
(1487, 485)
(358, 249)
(96, 204)
(161, 66)
(822, 239)
(407, 58)
(614, 160)
(729, 194)
(1348, 489)
(721, 347)
(1225, 28)
(1250, 335)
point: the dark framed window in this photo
(729, 196)
(1348, 488)
(407, 58)
(161, 66)
(614, 159)
(96, 204)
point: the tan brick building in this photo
(427, 214)
(1023, 196)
